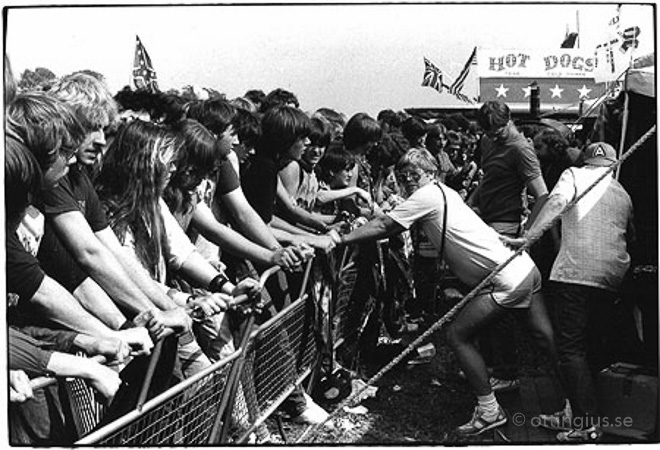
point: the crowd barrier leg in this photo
(219, 432)
(279, 356)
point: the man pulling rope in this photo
(510, 283)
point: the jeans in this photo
(191, 359)
(584, 324)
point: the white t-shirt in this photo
(593, 249)
(472, 249)
(180, 247)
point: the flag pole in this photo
(577, 26)
(626, 108)
(130, 71)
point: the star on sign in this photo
(527, 90)
(501, 91)
(556, 91)
(584, 92)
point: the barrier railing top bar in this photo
(112, 427)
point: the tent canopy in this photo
(641, 77)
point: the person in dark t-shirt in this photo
(41, 131)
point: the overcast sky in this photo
(348, 57)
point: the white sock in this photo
(488, 404)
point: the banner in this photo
(536, 63)
(554, 91)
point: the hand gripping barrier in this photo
(188, 413)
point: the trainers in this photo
(478, 424)
(591, 434)
(558, 421)
(313, 413)
(499, 385)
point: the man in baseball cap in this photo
(587, 274)
(599, 154)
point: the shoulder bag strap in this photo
(444, 220)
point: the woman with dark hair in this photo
(197, 160)
(135, 171)
(137, 168)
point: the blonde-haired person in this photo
(77, 230)
(471, 250)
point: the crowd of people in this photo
(129, 215)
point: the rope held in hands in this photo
(310, 430)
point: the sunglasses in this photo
(403, 177)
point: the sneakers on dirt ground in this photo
(558, 421)
(591, 434)
(479, 424)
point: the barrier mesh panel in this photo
(185, 418)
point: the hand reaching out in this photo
(19, 387)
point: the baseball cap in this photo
(599, 154)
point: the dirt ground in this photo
(415, 404)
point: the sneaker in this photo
(591, 434)
(478, 424)
(499, 385)
(558, 421)
(312, 415)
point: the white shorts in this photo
(514, 286)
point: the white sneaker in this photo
(478, 423)
(313, 413)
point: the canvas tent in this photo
(621, 122)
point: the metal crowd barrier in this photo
(182, 415)
(192, 412)
(234, 395)
(239, 392)
(280, 354)
(346, 276)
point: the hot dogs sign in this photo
(564, 76)
(568, 63)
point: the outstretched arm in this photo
(552, 207)
(138, 275)
(247, 220)
(377, 228)
(98, 261)
(295, 213)
(229, 240)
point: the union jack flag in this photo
(144, 75)
(432, 76)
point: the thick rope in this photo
(456, 308)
